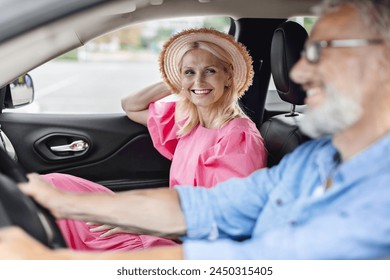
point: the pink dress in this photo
(76, 233)
(204, 157)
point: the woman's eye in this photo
(210, 71)
(188, 72)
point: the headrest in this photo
(287, 43)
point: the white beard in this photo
(336, 114)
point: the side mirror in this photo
(20, 92)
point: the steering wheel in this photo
(19, 209)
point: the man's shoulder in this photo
(311, 148)
(316, 143)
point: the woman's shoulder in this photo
(242, 124)
(161, 110)
(241, 136)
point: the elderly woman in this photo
(205, 133)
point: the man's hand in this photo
(15, 244)
(164, 214)
(44, 193)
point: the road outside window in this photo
(94, 78)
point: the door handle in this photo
(75, 146)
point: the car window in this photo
(273, 101)
(94, 78)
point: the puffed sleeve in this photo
(237, 154)
(162, 127)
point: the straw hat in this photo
(174, 50)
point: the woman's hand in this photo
(109, 229)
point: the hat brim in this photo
(173, 51)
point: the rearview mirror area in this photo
(19, 92)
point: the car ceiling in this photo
(44, 29)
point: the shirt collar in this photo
(325, 158)
(368, 161)
(361, 165)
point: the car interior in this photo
(109, 148)
(280, 132)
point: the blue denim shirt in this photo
(284, 213)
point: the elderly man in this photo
(329, 199)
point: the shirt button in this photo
(293, 223)
(279, 202)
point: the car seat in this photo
(281, 133)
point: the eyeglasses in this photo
(312, 50)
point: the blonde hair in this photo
(227, 107)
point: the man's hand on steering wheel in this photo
(43, 193)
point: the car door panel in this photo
(119, 152)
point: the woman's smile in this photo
(201, 91)
(203, 77)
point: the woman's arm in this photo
(157, 212)
(136, 104)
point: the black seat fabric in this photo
(281, 136)
(281, 133)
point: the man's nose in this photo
(301, 71)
